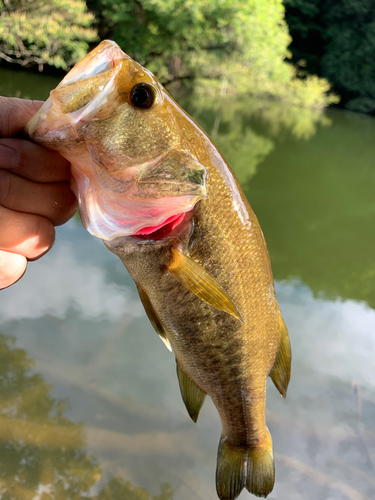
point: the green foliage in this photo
(224, 47)
(164, 34)
(349, 59)
(336, 39)
(54, 32)
(218, 46)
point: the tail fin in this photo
(241, 467)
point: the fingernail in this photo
(8, 157)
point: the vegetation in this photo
(216, 47)
(224, 47)
(54, 32)
(336, 40)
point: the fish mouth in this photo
(108, 217)
(172, 227)
(130, 210)
(168, 224)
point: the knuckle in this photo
(8, 188)
(64, 203)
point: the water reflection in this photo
(315, 202)
(25, 84)
(246, 133)
(42, 453)
(121, 383)
(82, 289)
(77, 314)
(335, 338)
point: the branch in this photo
(23, 62)
(178, 78)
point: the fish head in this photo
(134, 163)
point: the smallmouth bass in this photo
(153, 186)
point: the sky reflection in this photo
(59, 284)
(77, 313)
(332, 337)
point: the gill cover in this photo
(132, 166)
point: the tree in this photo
(349, 59)
(336, 40)
(224, 47)
(54, 32)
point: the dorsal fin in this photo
(153, 317)
(192, 395)
(193, 277)
(280, 373)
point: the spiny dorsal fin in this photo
(193, 277)
(280, 373)
(192, 395)
(153, 317)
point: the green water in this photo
(89, 400)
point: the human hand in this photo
(34, 192)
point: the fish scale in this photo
(154, 187)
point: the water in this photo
(89, 400)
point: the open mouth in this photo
(168, 225)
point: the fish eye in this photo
(142, 95)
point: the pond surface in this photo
(89, 399)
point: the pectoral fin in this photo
(192, 395)
(153, 317)
(201, 283)
(280, 373)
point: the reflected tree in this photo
(245, 130)
(317, 214)
(118, 489)
(42, 453)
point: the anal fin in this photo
(153, 317)
(196, 279)
(192, 395)
(280, 373)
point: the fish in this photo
(152, 185)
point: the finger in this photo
(33, 162)
(54, 201)
(12, 268)
(15, 113)
(26, 234)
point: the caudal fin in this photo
(241, 467)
